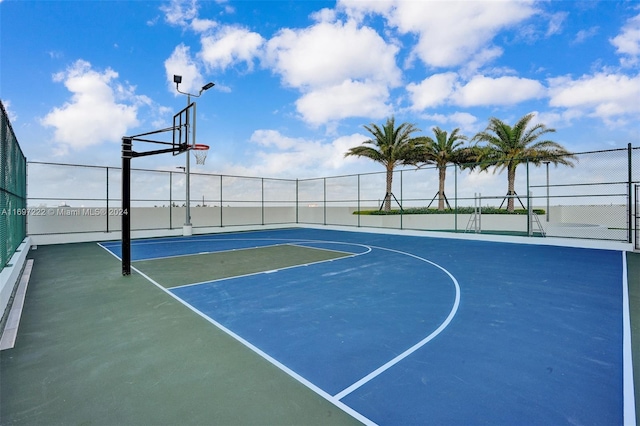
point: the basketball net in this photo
(200, 151)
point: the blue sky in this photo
(297, 80)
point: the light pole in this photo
(177, 79)
(547, 164)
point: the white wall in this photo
(597, 222)
(10, 274)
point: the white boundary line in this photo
(336, 398)
(627, 357)
(418, 345)
(209, 252)
(267, 357)
(629, 414)
(258, 351)
(271, 271)
(547, 241)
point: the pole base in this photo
(187, 230)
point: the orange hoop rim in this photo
(200, 147)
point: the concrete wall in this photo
(10, 275)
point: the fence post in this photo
(455, 197)
(528, 202)
(629, 198)
(637, 220)
(107, 212)
(358, 201)
(401, 201)
(221, 224)
(324, 200)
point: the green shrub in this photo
(459, 210)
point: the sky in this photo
(296, 81)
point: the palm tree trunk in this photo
(387, 197)
(511, 192)
(442, 175)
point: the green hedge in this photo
(459, 210)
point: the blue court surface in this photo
(417, 330)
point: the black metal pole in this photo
(107, 212)
(630, 196)
(127, 153)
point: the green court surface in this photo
(633, 272)
(181, 270)
(97, 348)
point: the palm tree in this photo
(507, 147)
(391, 146)
(441, 152)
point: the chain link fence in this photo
(13, 190)
(636, 244)
(594, 199)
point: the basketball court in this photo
(409, 330)
(319, 325)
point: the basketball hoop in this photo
(200, 151)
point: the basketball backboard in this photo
(182, 123)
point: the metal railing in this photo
(637, 218)
(13, 191)
(593, 200)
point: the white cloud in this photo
(556, 21)
(449, 33)
(338, 79)
(229, 46)
(202, 25)
(584, 35)
(464, 120)
(180, 12)
(607, 96)
(184, 14)
(298, 157)
(447, 88)
(13, 117)
(468, 123)
(181, 63)
(273, 138)
(479, 59)
(432, 91)
(347, 99)
(321, 56)
(324, 15)
(94, 113)
(340, 146)
(627, 43)
(357, 9)
(506, 90)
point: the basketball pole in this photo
(176, 147)
(127, 148)
(187, 229)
